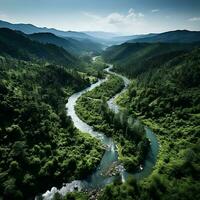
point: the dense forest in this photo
(39, 147)
(37, 137)
(17, 45)
(74, 46)
(133, 59)
(166, 98)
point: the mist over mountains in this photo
(105, 39)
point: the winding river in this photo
(101, 177)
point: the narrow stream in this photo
(101, 177)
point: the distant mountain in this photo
(178, 36)
(73, 46)
(122, 39)
(17, 45)
(113, 38)
(138, 57)
(101, 34)
(29, 29)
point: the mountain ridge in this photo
(176, 36)
(30, 28)
(76, 47)
(17, 45)
(141, 56)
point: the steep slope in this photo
(181, 73)
(19, 46)
(73, 46)
(178, 36)
(139, 57)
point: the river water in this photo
(101, 177)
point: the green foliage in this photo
(93, 68)
(17, 45)
(107, 90)
(73, 46)
(166, 98)
(39, 147)
(71, 196)
(130, 136)
(133, 59)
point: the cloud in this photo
(114, 18)
(92, 16)
(194, 19)
(155, 10)
(117, 18)
(115, 21)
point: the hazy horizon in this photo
(122, 17)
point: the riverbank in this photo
(115, 124)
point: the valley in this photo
(111, 166)
(105, 118)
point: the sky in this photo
(121, 16)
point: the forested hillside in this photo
(167, 99)
(39, 146)
(133, 59)
(17, 45)
(76, 47)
